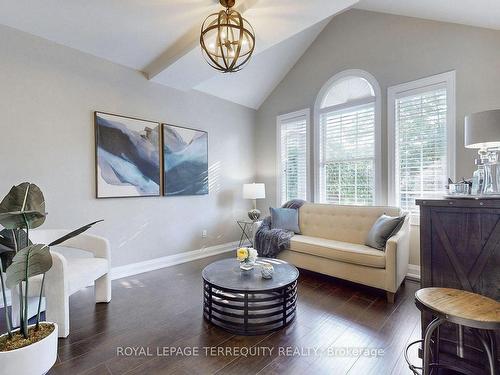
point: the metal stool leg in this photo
(436, 345)
(427, 343)
(493, 346)
(487, 345)
(411, 366)
(460, 344)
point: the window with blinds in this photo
(347, 143)
(422, 149)
(293, 139)
(347, 167)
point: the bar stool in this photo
(467, 310)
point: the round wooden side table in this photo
(466, 309)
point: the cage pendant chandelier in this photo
(227, 39)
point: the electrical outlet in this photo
(204, 233)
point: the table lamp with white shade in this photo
(254, 191)
(482, 132)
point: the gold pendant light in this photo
(227, 39)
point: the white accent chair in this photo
(77, 263)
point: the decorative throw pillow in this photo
(285, 218)
(382, 230)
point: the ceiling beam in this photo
(184, 68)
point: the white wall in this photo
(47, 97)
(394, 49)
(48, 94)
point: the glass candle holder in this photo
(246, 266)
(267, 271)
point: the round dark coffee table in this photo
(244, 303)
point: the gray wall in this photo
(47, 97)
(395, 50)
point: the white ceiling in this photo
(273, 22)
(482, 13)
(252, 85)
(128, 32)
(160, 37)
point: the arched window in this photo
(347, 152)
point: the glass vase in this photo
(246, 266)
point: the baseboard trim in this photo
(413, 272)
(170, 260)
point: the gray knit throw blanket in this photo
(269, 242)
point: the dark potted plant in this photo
(29, 349)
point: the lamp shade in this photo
(482, 129)
(254, 191)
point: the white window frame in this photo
(306, 112)
(446, 80)
(379, 196)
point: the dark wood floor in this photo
(163, 309)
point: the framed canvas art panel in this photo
(185, 161)
(128, 162)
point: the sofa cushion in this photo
(82, 266)
(81, 270)
(382, 229)
(338, 250)
(285, 218)
(341, 223)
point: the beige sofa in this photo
(332, 243)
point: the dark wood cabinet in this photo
(460, 248)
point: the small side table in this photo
(246, 227)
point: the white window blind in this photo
(347, 155)
(421, 146)
(293, 156)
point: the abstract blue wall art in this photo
(185, 161)
(127, 157)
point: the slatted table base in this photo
(250, 312)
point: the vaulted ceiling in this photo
(481, 13)
(160, 37)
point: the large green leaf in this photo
(73, 234)
(15, 219)
(8, 238)
(6, 259)
(23, 202)
(32, 260)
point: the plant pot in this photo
(34, 359)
